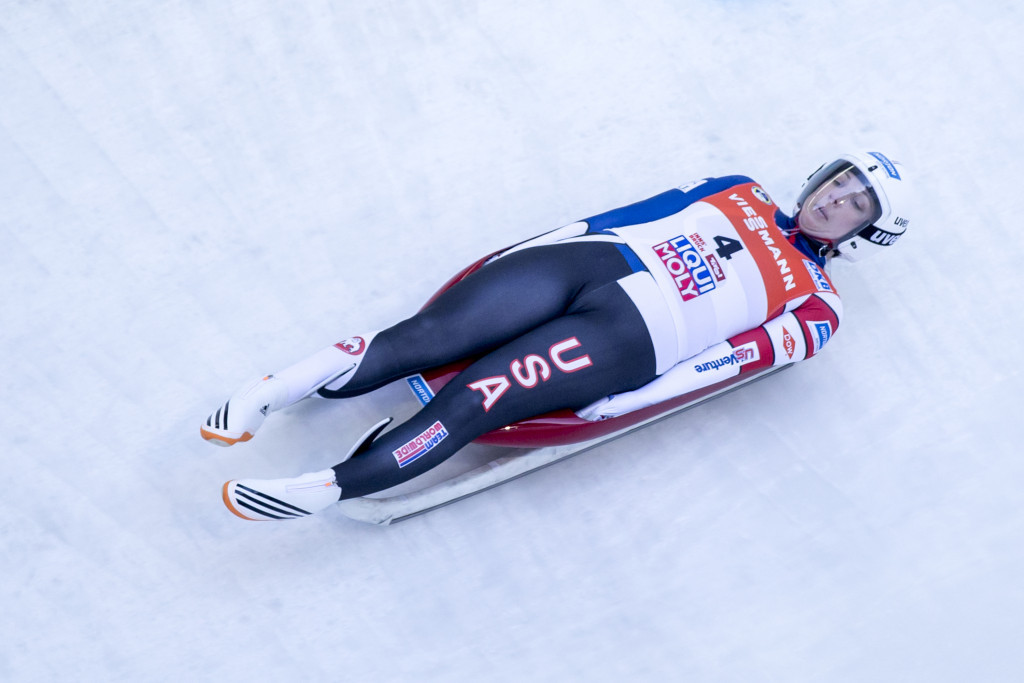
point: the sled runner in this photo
(549, 438)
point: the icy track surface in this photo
(194, 193)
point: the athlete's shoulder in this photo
(665, 204)
(705, 187)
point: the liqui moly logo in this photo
(421, 445)
(689, 271)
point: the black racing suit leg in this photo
(598, 347)
(503, 300)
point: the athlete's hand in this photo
(593, 412)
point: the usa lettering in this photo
(756, 223)
(531, 371)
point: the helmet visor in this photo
(837, 202)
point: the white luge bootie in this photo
(262, 500)
(239, 418)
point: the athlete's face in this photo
(837, 208)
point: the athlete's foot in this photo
(239, 418)
(262, 500)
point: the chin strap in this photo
(823, 249)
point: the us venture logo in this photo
(741, 355)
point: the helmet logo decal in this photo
(890, 167)
(878, 236)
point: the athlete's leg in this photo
(492, 306)
(502, 300)
(601, 347)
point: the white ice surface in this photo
(193, 193)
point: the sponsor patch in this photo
(756, 223)
(788, 343)
(689, 271)
(698, 242)
(882, 237)
(741, 355)
(421, 445)
(693, 185)
(716, 363)
(761, 194)
(716, 268)
(747, 353)
(354, 346)
(889, 167)
(821, 332)
(420, 387)
(820, 281)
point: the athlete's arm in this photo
(662, 205)
(652, 209)
(791, 337)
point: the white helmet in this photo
(883, 185)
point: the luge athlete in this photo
(604, 316)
